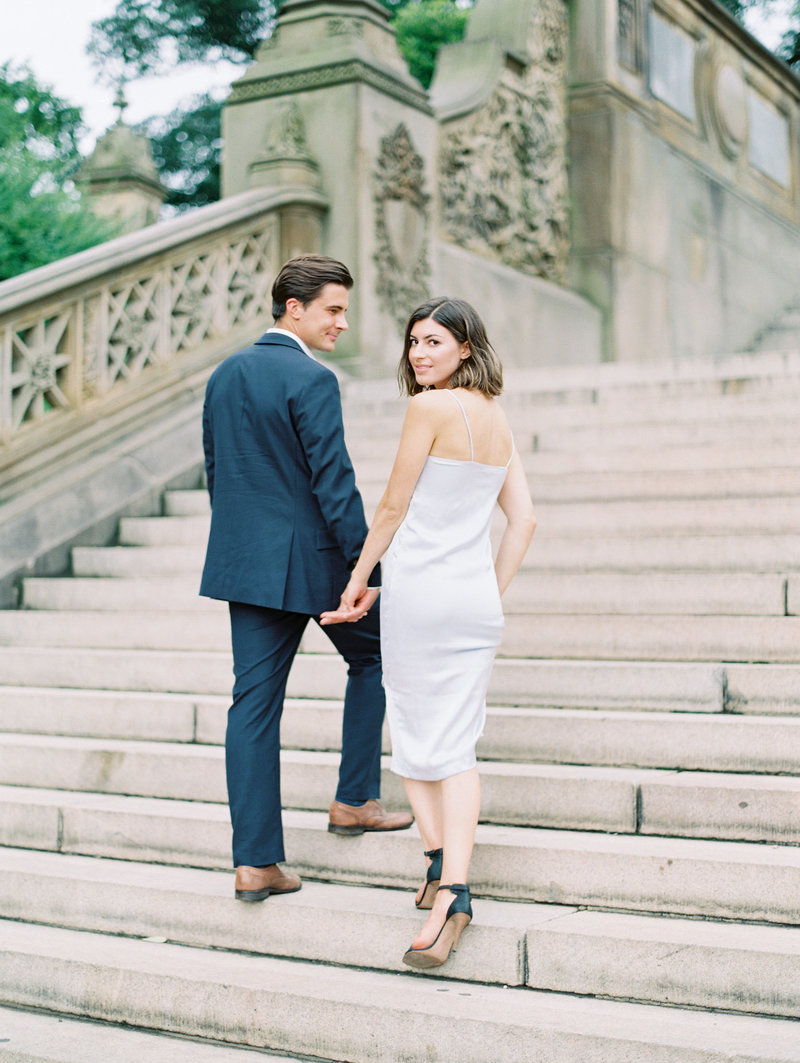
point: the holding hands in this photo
(356, 601)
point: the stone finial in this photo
(120, 177)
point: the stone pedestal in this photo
(120, 178)
(359, 127)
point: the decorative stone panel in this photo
(401, 226)
(503, 176)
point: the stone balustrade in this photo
(91, 332)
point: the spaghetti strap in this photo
(466, 422)
(513, 449)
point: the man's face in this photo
(319, 323)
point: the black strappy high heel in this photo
(459, 915)
(432, 878)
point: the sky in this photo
(51, 36)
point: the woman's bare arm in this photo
(515, 501)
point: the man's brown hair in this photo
(304, 277)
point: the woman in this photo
(441, 617)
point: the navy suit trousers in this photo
(265, 642)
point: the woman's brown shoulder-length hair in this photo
(481, 370)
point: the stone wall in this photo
(473, 204)
(684, 177)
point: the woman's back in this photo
(475, 429)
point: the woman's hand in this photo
(355, 603)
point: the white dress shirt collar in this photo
(296, 338)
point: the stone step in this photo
(656, 593)
(636, 485)
(573, 520)
(680, 460)
(614, 410)
(679, 553)
(353, 926)
(740, 432)
(686, 741)
(684, 876)
(577, 636)
(651, 638)
(625, 800)
(710, 553)
(628, 685)
(374, 1017)
(709, 964)
(530, 435)
(38, 1037)
(553, 479)
(574, 684)
(718, 742)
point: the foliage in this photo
(789, 47)
(42, 217)
(149, 36)
(422, 28)
(30, 114)
(187, 149)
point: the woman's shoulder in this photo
(431, 402)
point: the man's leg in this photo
(364, 708)
(355, 808)
(265, 642)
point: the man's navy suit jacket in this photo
(287, 522)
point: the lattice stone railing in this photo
(88, 331)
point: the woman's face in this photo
(434, 353)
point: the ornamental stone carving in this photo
(503, 183)
(401, 226)
(503, 176)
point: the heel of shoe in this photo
(459, 916)
(432, 879)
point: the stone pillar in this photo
(120, 178)
(329, 102)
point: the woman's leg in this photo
(425, 799)
(460, 806)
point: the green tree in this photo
(789, 47)
(422, 28)
(143, 37)
(187, 151)
(148, 36)
(42, 217)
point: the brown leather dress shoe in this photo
(356, 819)
(256, 883)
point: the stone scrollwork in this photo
(503, 182)
(401, 226)
(503, 173)
(56, 358)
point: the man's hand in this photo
(355, 603)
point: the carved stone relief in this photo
(401, 226)
(503, 177)
(630, 34)
(345, 27)
(503, 183)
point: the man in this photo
(287, 524)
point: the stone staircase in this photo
(637, 870)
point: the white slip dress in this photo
(441, 617)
